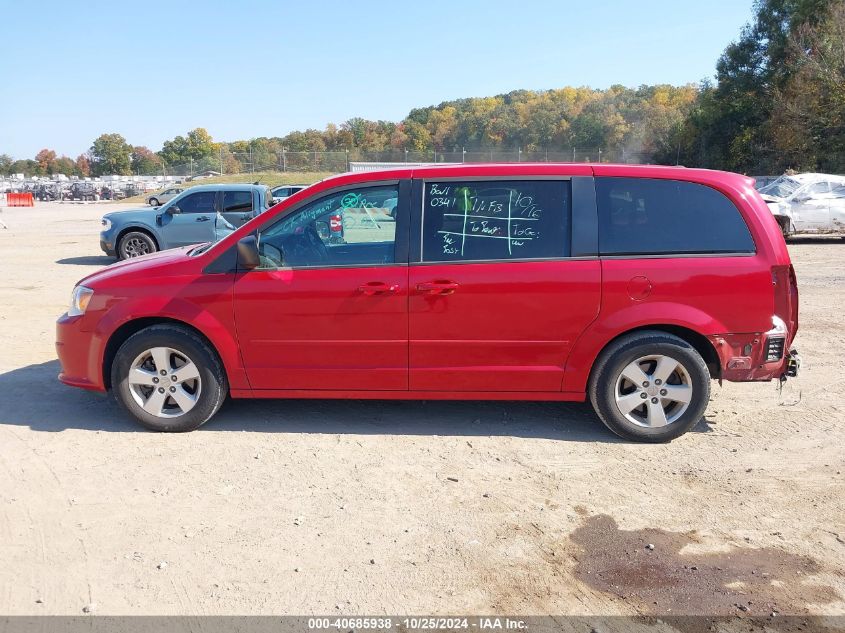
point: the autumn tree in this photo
(144, 161)
(83, 165)
(45, 159)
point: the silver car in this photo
(283, 192)
(161, 197)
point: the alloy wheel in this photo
(653, 391)
(164, 382)
(135, 247)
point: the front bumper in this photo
(107, 244)
(78, 354)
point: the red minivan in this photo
(634, 286)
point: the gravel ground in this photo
(403, 507)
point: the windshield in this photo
(783, 187)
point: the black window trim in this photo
(583, 243)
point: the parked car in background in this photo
(161, 197)
(807, 203)
(284, 192)
(203, 213)
(630, 286)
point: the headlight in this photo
(79, 300)
(106, 224)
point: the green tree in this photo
(111, 154)
(65, 165)
(735, 127)
(196, 146)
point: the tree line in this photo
(777, 102)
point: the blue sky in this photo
(151, 70)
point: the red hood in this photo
(148, 264)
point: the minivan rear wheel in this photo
(650, 386)
(168, 378)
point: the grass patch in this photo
(270, 178)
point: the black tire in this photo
(154, 202)
(619, 355)
(135, 244)
(214, 385)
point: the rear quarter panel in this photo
(707, 294)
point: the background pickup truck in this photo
(204, 213)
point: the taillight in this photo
(336, 223)
(786, 296)
(793, 294)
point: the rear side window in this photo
(644, 216)
(496, 220)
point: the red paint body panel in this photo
(314, 329)
(508, 326)
(507, 331)
(312, 394)
(707, 295)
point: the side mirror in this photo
(248, 253)
(174, 210)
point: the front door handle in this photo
(439, 287)
(377, 288)
(203, 218)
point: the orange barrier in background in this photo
(19, 200)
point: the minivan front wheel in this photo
(168, 378)
(650, 386)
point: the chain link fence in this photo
(339, 161)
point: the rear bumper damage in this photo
(757, 357)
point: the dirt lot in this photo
(391, 507)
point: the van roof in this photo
(541, 169)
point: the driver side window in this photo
(354, 227)
(200, 202)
